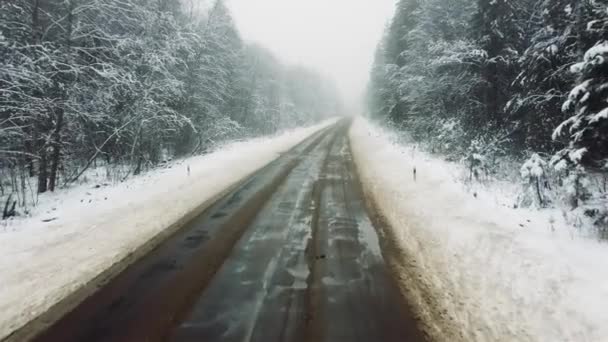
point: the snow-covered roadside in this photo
(496, 274)
(94, 228)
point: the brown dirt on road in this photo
(353, 295)
(417, 295)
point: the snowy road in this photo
(289, 255)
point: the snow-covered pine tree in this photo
(587, 128)
(534, 175)
(588, 101)
(404, 21)
(544, 80)
(497, 29)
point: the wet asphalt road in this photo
(289, 255)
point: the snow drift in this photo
(473, 269)
(80, 232)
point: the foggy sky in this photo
(336, 37)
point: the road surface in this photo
(290, 254)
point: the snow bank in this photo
(476, 270)
(90, 229)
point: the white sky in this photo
(336, 37)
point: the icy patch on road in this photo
(94, 228)
(496, 274)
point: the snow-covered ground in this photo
(495, 273)
(76, 233)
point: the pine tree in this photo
(544, 79)
(404, 21)
(497, 30)
(587, 128)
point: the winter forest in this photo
(510, 88)
(129, 84)
(327, 170)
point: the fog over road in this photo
(289, 254)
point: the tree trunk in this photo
(492, 94)
(42, 172)
(138, 167)
(28, 160)
(60, 110)
(574, 199)
(56, 155)
(35, 23)
(541, 201)
(34, 143)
